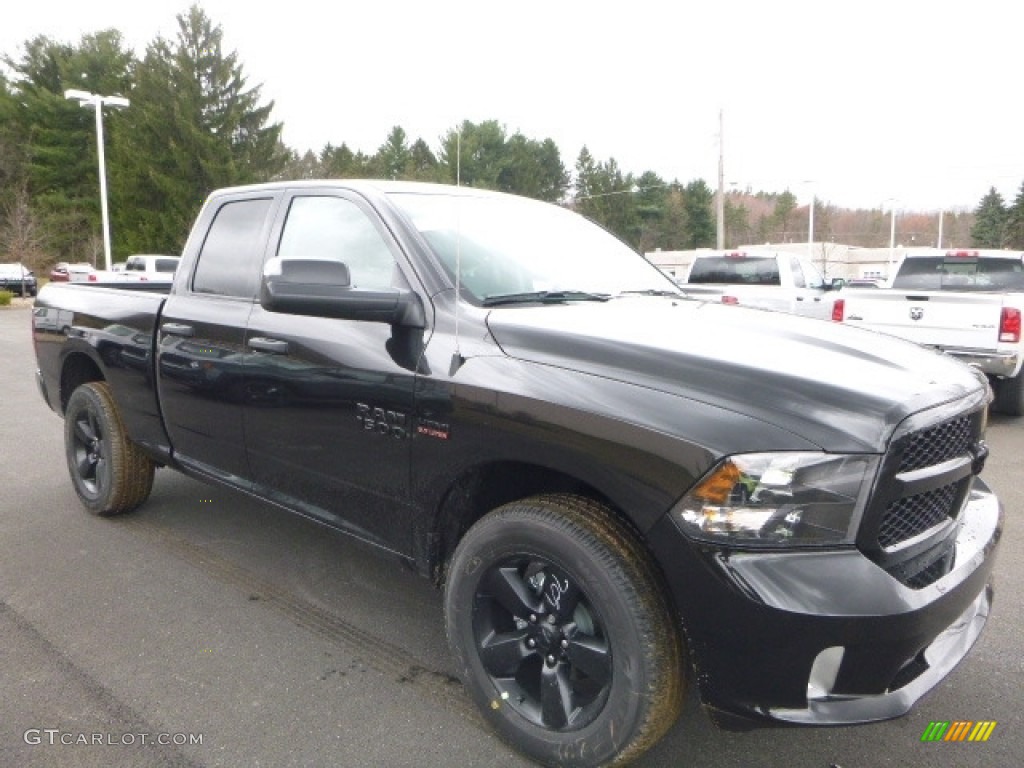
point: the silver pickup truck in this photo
(966, 303)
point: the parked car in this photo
(140, 268)
(63, 272)
(17, 279)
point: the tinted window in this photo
(952, 273)
(735, 270)
(166, 265)
(333, 228)
(229, 263)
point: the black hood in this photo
(841, 388)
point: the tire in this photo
(562, 633)
(1010, 395)
(111, 474)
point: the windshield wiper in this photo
(543, 297)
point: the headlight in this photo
(779, 499)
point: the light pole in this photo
(96, 101)
(810, 222)
(892, 234)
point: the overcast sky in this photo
(862, 101)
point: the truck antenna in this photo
(457, 358)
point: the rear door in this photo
(201, 339)
(329, 402)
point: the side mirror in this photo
(323, 288)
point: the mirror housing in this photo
(323, 288)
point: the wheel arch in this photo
(485, 487)
(77, 368)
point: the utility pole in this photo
(721, 184)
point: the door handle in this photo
(799, 298)
(177, 329)
(274, 346)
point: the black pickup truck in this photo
(619, 489)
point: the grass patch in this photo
(5, 298)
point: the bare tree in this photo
(21, 237)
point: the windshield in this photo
(513, 246)
(951, 273)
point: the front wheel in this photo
(562, 633)
(110, 473)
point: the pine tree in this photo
(194, 126)
(698, 201)
(990, 218)
(1015, 222)
(56, 162)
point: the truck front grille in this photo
(913, 515)
(925, 480)
(937, 444)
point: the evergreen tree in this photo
(56, 163)
(1015, 222)
(423, 165)
(394, 157)
(605, 195)
(785, 204)
(484, 156)
(990, 219)
(342, 163)
(698, 201)
(194, 126)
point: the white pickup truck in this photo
(142, 267)
(966, 303)
(761, 278)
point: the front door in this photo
(329, 402)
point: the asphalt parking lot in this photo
(242, 635)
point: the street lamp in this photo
(892, 233)
(810, 222)
(96, 101)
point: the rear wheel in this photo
(562, 633)
(110, 473)
(1010, 395)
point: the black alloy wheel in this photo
(542, 643)
(562, 633)
(110, 473)
(90, 453)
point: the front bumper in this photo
(826, 637)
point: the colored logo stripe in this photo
(982, 731)
(958, 730)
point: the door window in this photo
(798, 273)
(334, 228)
(813, 276)
(229, 262)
